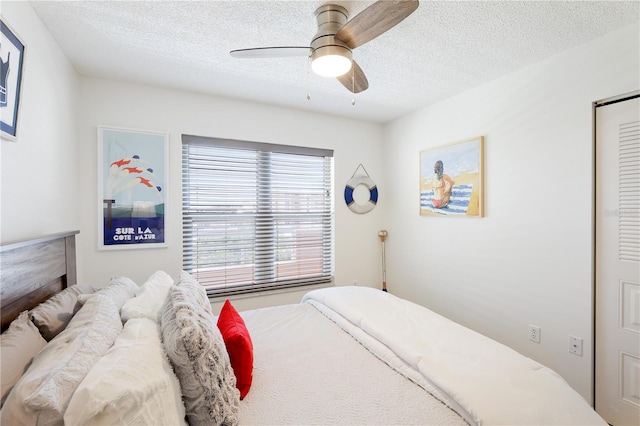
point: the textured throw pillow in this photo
(188, 282)
(149, 299)
(119, 289)
(196, 350)
(42, 394)
(18, 345)
(132, 383)
(53, 315)
(239, 346)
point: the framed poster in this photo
(132, 182)
(451, 179)
(11, 59)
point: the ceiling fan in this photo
(331, 48)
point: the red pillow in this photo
(239, 347)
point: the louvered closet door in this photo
(617, 354)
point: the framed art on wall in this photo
(132, 182)
(12, 58)
(451, 179)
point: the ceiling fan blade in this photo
(354, 80)
(375, 20)
(272, 52)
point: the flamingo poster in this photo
(132, 175)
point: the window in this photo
(256, 216)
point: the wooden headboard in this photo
(33, 270)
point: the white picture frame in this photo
(132, 188)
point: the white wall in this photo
(104, 102)
(529, 261)
(39, 175)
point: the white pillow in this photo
(133, 383)
(53, 315)
(119, 289)
(150, 297)
(42, 394)
(18, 345)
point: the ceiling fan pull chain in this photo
(308, 78)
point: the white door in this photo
(617, 238)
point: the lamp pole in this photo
(383, 236)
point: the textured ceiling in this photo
(444, 48)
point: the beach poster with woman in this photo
(451, 180)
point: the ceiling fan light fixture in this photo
(332, 44)
(331, 61)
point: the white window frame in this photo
(278, 247)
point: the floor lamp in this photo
(383, 236)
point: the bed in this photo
(156, 353)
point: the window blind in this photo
(256, 216)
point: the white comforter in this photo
(485, 381)
(308, 371)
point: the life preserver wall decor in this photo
(351, 186)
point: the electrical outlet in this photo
(534, 333)
(575, 345)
